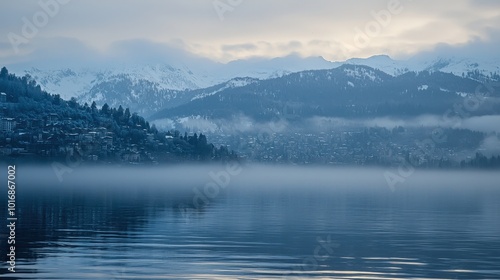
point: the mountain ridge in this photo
(345, 91)
(148, 88)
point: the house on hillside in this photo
(52, 118)
(8, 124)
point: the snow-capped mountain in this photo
(148, 88)
(348, 91)
(383, 63)
(276, 67)
(447, 64)
(80, 82)
(65, 82)
(231, 84)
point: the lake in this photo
(252, 222)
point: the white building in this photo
(8, 124)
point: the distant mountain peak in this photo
(161, 82)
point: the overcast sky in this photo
(225, 30)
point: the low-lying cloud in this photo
(490, 146)
(485, 124)
(244, 124)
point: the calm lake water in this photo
(253, 223)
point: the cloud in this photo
(261, 28)
(490, 146)
(238, 124)
(239, 47)
(244, 124)
(64, 52)
(485, 124)
(56, 53)
(484, 3)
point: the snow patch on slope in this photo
(362, 73)
(234, 83)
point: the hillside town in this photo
(359, 146)
(105, 135)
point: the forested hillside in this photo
(38, 125)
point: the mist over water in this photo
(256, 222)
(251, 176)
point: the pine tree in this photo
(105, 109)
(202, 140)
(154, 130)
(57, 100)
(73, 103)
(4, 73)
(118, 114)
(126, 115)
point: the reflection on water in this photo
(277, 223)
